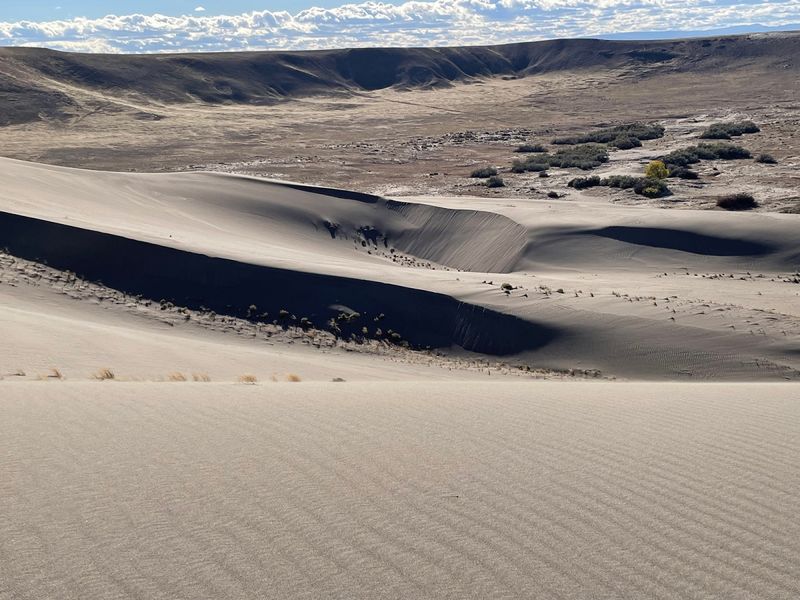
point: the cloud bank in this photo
(413, 23)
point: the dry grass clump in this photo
(200, 377)
(55, 374)
(248, 379)
(293, 378)
(176, 377)
(104, 375)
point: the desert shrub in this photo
(683, 173)
(291, 377)
(727, 151)
(530, 148)
(532, 164)
(694, 154)
(483, 172)
(554, 195)
(640, 131)
(624, 182)
(495, 182)
(507, 287)
(656, 170)
(583, 156)
(725, 131)
(582, 183)
(651, 188)
(248, 379)
(740, 201)
(626, 142)
(767, 159)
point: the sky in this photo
(226, 25)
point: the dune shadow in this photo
(684, 241)
(230, 287)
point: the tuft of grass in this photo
(766, 159)
(176, 377)
(200, 377)
(293, 378)
(483, 173)
(55, 374)
(740, 201)
(248, 379)
(104, 375)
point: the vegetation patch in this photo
(530, 148)
(643, 186)
(694, 154)
(625, 136)
(583, 156)
(728, 130)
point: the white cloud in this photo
(200, 9)
(415, 22)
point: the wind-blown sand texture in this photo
(408, 490)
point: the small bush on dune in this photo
(531, 148)
(766, 159)
(740, 201)
(495, 182)
(725, 131)
(248, 379)
(293, 378)
(483, 172)
(176, 377)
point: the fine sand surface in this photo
(634, 292)
(408, 490)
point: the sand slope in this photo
(410, 490)
(595, 287)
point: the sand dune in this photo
(429, 270)
(410, 490)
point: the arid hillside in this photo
(44, 84)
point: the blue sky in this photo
(145, 26)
